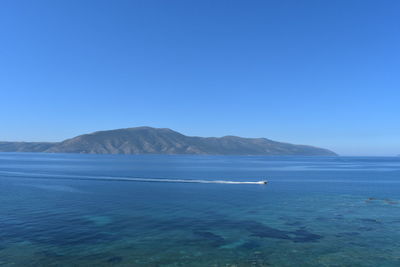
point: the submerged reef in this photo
(263, 231)
(256, 229)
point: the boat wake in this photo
(122, 179)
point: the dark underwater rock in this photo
(251, 244)
(391, 202)
(209, 236)
(115, 259)
(263, 231)
(294, 223)
(347, 234)
(270, 233)
(303, 235)
(363, 228)
(370, 221)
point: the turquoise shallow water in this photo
(316, 211)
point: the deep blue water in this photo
(315, 211)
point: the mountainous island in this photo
(148, 140)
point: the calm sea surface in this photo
(66, 210)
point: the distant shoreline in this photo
(163, 141)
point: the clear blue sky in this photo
(325, 73)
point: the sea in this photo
(165, 210)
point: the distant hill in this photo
(147, 140)
(25, 146)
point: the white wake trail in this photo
(128, 179)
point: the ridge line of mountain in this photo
(148, 140)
